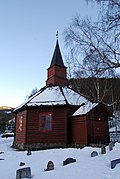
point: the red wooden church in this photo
(52, 118)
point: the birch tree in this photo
(94, 48)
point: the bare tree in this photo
(91, 66)
(86, 56)
(109, 13)
(83, 35)
(103, 36)
(109, 23)
(94, 46)
(31, 93)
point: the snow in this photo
(51, 95)
(85, 167)
(72, 97)
(85, 108)
(54, 95)
(113, 129)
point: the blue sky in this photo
(27, 41)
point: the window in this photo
(50, 73)
(45, 122)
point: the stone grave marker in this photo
(103, 149)
(23, 173)
(21, 164)
(29, 152)
(94, 154)
(110, 146)
(114, 163)
(68, 161)
(50, 166)
(1, 152)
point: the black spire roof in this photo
(57, 57)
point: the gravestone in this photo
(114, 163)
(113, 144)
(50, 166)
(110, 146)
(68, 161)
(94, 154)
(1, 152)
(23, 173)
(29, 152)
(21, 164)
(103, 149)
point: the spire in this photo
(57, 34)
(56, 73)
(57, 57)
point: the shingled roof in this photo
(57, 57)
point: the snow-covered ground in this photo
(86, 167)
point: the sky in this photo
(27, 41)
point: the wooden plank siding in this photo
(79, 130)
(20, 136)
(58, 134)
(98, 131)
(91, 128)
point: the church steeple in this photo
(57, 57)
(57, 70)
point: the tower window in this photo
(50, 73)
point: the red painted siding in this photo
(79, 131)
(20, 134)
(56, 75)
(58, 134)
(98, 131)
(91, 128)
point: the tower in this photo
(56, 73)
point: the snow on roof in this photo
(84, 109)
(55, 95)
(50, 96)
(72, 97)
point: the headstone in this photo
(114, 162)
(23, 173)
(1, 152)
(68, 161)
(94, 154)
(110, 146)
(22, 164)
(113, 144)
(50, 166)
(103, 149)
(29, 152)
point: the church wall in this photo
(79, 130)
(98, 131)
(58, 134)
(20, 127)
(91, 128)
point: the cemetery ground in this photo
(87, 167)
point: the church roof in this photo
(89, 106)
(54, 95)
(84, 109)
(57, 57)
